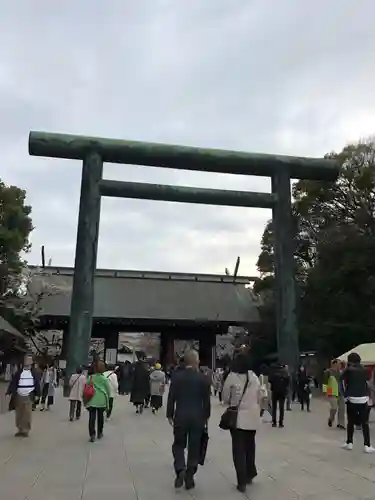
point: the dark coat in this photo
(279, 381)
(303, 383)
(13, 387)
(189, 402)
(353, 382)
(124, 378)
(140, 383)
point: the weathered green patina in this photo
(94, 151)
(183, 194)
(74, 147)
(82, 304)
(286, 324)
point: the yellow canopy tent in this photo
(366, 351)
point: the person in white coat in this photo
(77, 384)
(242, 390)
(111, 375)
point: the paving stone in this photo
(133, 460)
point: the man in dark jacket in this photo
(23, 389)
(354, 386)
(188, 411)
(279, 382)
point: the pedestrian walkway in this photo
(133, 461)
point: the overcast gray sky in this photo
(275, 76)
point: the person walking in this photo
(265, 392)
(77, 384)
(304, 391)
(23, 388)
(355, 389)
(38, 373)
(332, 390)
(124, 378)
(288, 400)
(99, 402)
(188, 412)
(140, 386)
(279, 382)
(49, 380)
(150, 369)
(217, 381)
(157, 388)
(111, 375)
(242, 391)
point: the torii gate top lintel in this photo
(75, 147)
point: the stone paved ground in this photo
(133, 461)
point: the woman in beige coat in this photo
(242, 389)
(77, 384)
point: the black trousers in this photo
(45, 393)
(110, 407)
(186, 436)
(304, 399)
(358, 413)
(243, 450)
(278, 400)
(96, 415)
(75, 408)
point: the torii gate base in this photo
(94, 151)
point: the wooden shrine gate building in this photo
(176, 305)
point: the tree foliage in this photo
(334, 254)
(15, 229)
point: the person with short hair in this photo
(188, 411)
(23, 388)
(354, 387)
(99, 403)
(279, 382)
(304, 389)
(331, 388)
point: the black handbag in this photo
(228, 421)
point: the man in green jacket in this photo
(336, 400)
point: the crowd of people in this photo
(247, 397)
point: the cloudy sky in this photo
(275, 76)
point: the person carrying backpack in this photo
(279, 382)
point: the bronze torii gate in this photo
(94, 151)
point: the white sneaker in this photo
(369, 449)
(348, 446)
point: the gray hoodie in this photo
(157, 383)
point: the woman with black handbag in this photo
(241, 392)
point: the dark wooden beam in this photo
(76, 147)
(182, 194)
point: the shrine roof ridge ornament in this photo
(76, 147)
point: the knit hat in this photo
(157, 366)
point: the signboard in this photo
(224, 345)
(181, 346)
